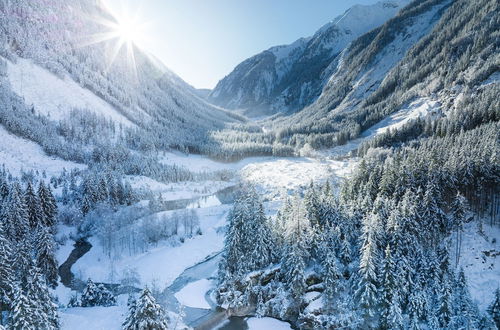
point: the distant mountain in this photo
(421, 64)
(287, 78)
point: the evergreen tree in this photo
(34, 209)
(6, 272)
(459, 211)
(494, 308)
(395, 315)
(96, 295)
(445, 303)
(45, 256)
(145, 314)
(22, 315)
(331, 274)
(15, 215)
(48, 204)
(388, 288)
(367, 291)
(41, 301)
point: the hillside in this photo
(60, 65)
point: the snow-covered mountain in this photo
(289, 77)
(59, 65)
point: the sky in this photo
(203, 40)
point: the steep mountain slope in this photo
(60, 65)
(435, 50)
(289, 77)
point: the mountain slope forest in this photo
(364, 195)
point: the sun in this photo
(123, 30)
(129, 30)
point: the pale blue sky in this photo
(203, 40)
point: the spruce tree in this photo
(48, 204)
(45, 256)
(41, 301)
(494, 308)
(6, 272)
(34, 209)
(367, 291)
(22, 315)
(15, 215)
(146, 314)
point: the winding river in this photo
(197, 318)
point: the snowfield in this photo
(20, 155)
(480, 259)
(55, 97)
(163, 264)
(193, 294)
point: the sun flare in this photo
(124, 31)
(129, 30)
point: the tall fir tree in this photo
(45, 255)
(494, 308)
(146, 314)
(48, 204)
(33, 206)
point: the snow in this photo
(193, 294)
(420, 108)
(417, 109)
(180, 190)
(19, 155)
(53, 96)
(95, 318)
(482, 271)
(273, 176)
(494, 78)
(286, 175)
(267, 323)
(161, 265)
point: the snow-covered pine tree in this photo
(48, 204)
(45, 255)
(331, 274)
(6, 272)
(105, 297)
(90, 295)
(41, 301)
(33, 206)
(395, 318)
(368, 286)
(22, 315)
(297, 253)
(262, 247)
(494, 308)
(459, 211)
(15, 215)
(445, 311)
(146, 314)
(388, 287)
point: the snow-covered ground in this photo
(273, 176)
(193, 294)
(178, 190)
(95, 318)
(163, 264)
(480, 259)
(420, 108)
(267, 323)
(53, 96)
(277, 177)
(19, 155)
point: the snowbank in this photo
(193, 294)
